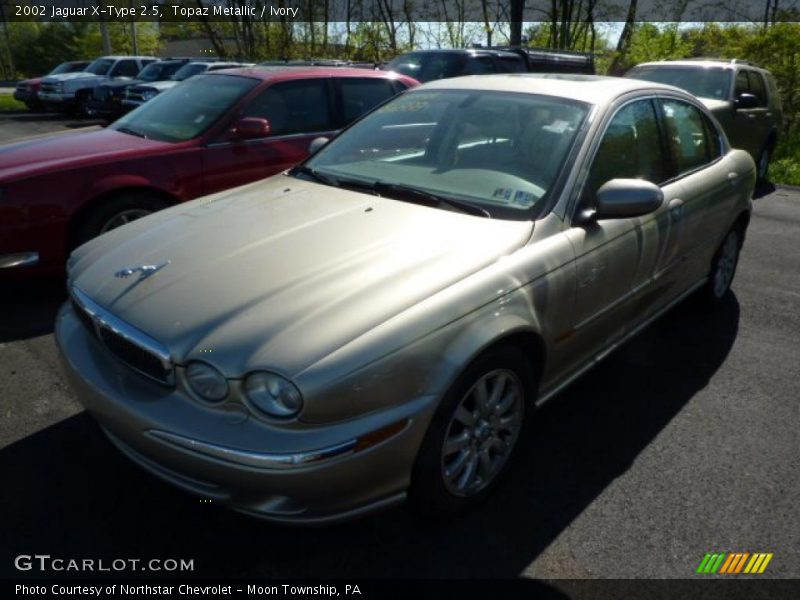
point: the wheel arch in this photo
(104, 194)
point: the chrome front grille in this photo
(133, 347)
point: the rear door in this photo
(298, 111)
(356, 96)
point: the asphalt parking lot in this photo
(683, 442)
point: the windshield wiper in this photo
(415, 194)
(314, 174)
(130, 131)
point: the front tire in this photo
(116, 211)
(474, 434)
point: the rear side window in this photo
(689, 136)
(510, 64)
(294, 107)
(757, 87)
(361, 95)
(478, 65)
(630, 149)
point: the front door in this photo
(297, 111)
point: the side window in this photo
(742, 86)
(478, 65)
(510, 64)
(125, 68)
(361, 95)
(687, 135)
(293, 107)
(630, 149)
(757, 87)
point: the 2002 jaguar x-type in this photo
(377, 323)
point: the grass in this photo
(785, 165)
(7, 103)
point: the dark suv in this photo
(427, 65)
(106, 101)
(742, 96)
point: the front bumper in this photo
(109, 108)
(24, 95)
(57, 98)
(293, 473)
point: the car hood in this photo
(72, 77)
(62, 151)
(35, 82)
(159, 85)
(281, 273)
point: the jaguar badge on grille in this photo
(144, 271)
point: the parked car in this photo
(27, 91)
(212, 132)
(379, 322)
(742, 96)
(137, 95)
(428, 65)
(106, 100)
(71, 92)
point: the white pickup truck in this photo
(71, 92)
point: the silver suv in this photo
(742, 96)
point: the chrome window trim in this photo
(103, 318)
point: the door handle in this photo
(676, 207)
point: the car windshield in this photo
(186, 110)
(67, 68)
(500, 152)
(703, 82)
(157, 71)
(427, 66)
(187, 71)
(101, 66)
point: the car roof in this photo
(119, 56)
(592, 89)
(277, 72)
(465, 51)
(702, 63)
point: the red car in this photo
(27, 91)
(213, 131)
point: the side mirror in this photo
(318, 143)
(249, 128)
(746, 101)
(627, 198)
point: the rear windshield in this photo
(703, 82)
(427, 66)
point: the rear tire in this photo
(115, 211)
(723, 268)
(762, 167)
(472, 439)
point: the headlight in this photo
(59, 87)
(207, 382)
(273, 394)
(148, 94)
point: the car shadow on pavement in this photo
(28, 309)
(68, 493)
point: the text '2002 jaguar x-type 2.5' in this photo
(378, 323)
